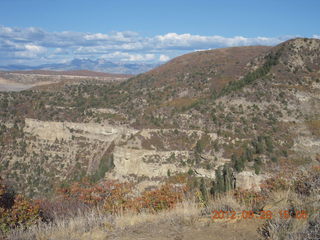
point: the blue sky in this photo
(43, 31)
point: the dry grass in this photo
(314, 127)
(187, 220)
(78, 227)
(186, 212)
(97, 225)
(293, 228)
(226, 202)
(180, 102)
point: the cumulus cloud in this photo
(191, 42)
(115, 37)
(34, 48)
(163, 58)
(129, 57)
(31, 51)
(35, 43)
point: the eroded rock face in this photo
(49, 152)
(59, 151)
(147, 160)
(138, 156)
(146, 163)
(248, 180)
(151, 164)
(71, 141)
(66, 130)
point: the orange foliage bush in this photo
(164, 198)
(116, 197)
(110, 193)
(16, 211)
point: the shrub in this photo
(274, 159)
(238, 163)
(15, 210)
(306, 183)
(250, 198)
(257, 168)
(248, 154)
(276, 183)
(270, 60)
(116, 197)
(269, 144)
(111, 194)
(160, 199)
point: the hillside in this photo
(255, 108)
(222, 120)
(199, 72)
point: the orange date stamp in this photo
(283, 214)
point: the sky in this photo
(35, 32)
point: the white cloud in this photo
(129, 57)
(191, 42)
(115, 37)
(33, 43)
(58, 50)
(34, 48)
(163, 58)
(30, 51)
(97, 36)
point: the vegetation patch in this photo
(271, 60)
(314, 127)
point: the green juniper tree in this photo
(238, 163)
(269, 144)
(227, 178)
(203, 190)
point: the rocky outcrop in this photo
(248, 180)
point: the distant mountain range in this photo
(100, 65)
